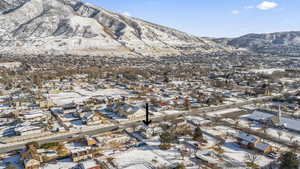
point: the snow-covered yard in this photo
(61, 164)
(237, 153)
(139, 159)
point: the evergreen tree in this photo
(198, 134)
(9, 166)
(289, 160)
(167, 137)
(180, 166)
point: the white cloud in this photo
(235, 12)
(126, 13)
(266, 5)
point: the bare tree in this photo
(251, 158)
(237, 124)
(279, 133)
(249, 125)
(134, 127)
(291, 137)
(264, 128)
(295, 146)
(187, 104)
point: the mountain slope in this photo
(280, 43)
(70, 26)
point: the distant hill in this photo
(281, 43)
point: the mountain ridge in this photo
(37, 26)
(74, 27)
(277, 43)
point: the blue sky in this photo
(215, 18)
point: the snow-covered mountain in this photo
(278, 43)
(74, 27)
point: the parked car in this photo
(273, 155)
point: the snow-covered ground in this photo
(61, 164)
(267, 71)
(170, 112)
(80, 95)
(101, 92)
(112, 115)
(222, 112)
(139, 159)
(234, 151)
(285, 134)
(197, 120)
(235, 100)
(13, 160)
(66, 98)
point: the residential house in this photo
(35, 115)
(89, 141)
(31, 164)
(84, 153)
(251, 142)
(126, 110)
(246, 140)
(263, 147)
(81, 154)
(27, 129)
(91, 118)
(90, 164)
(31, 158)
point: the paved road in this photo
(67, 136)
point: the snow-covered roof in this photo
(262, 146)
(79, 149)
(206, 155)
(88, 164)
(260, 116)
(27, 128)
(292, 124)
(247, 137)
